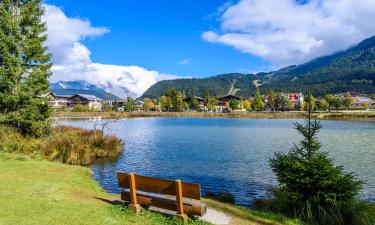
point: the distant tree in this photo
(165, 103)
(107, 108)
(281, 101)
(311, 187)
(194, 104)
(365, 105)
(148, 104)
(227, 105)
(246, 104)
(130, 104)
(290, 106)
(212, 102)
(337, 102)
(271, 100)
(80, 108)
(206, 96)
(234, 104)
(323, 105)
(176, 99)
(330, 99)
(180, 104)
(24, 67)
(258, 103)
(310, 102)
(348, 101)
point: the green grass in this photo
(42, 192)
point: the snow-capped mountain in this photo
(80, 87)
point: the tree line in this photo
(176, 101)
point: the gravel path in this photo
(216, 217)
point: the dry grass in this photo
(64, 144)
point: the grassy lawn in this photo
(41, 192)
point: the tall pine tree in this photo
(258, 103)
(311, 187)
(24, 66)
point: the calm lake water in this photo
(229, 155)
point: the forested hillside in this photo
(238, 84)
(350, 70)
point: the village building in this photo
(200, 101)
(296, 98)
(117, 104)
(362, 102)
(91, 101)
(224, 101)
(56, 101)
(228, 98)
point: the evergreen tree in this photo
(271, 100)
(323, 105)
(337, 103)
(348, 101)
(234, 104)
(24, 66)
(310, 102)
(130, 104)
(311, 187)
(258, 103)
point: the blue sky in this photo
(162, 35)
(126, 46)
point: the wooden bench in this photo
(172, 195)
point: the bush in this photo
(311, 187)
(80, 108)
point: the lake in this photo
(229, 155)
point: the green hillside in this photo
(220, 85)
(350, 70)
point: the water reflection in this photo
(228, 155)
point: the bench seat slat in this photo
(162, 186)
(191, 207)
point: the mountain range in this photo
(349, 70)
(80, 87)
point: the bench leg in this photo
(133, 193)
(183, 217)
(180, 205)
(135, 207)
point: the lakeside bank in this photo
(250, 115)
(36, 189)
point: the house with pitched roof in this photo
(91, 101)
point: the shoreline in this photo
(366, 115)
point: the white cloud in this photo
(184, 62)
(285, 32)
(72, 59)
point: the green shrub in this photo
(311, 187)
(80, 108)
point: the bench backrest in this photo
(160, 186)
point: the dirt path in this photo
(217, 217)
